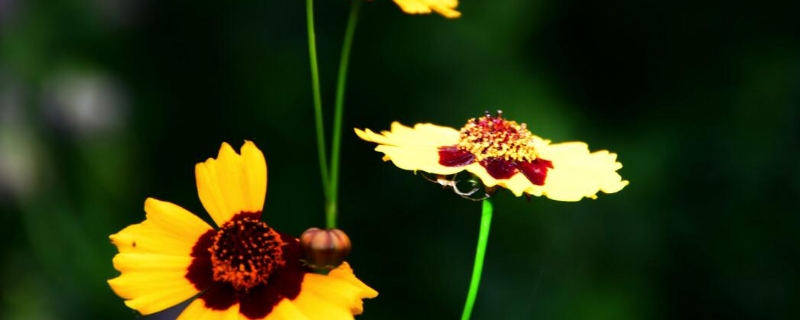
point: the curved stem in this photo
(480, 254)
(312, 52)
(333, 187)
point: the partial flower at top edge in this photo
(444, 7)
(244, 269)
(501, 153)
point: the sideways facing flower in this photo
(443, 7)
(243, 270)
(501, 153)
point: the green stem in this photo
(312, 52)
(333, 187)
(480, 254)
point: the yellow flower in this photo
(243, 270)
(443, 7)
(501, 153)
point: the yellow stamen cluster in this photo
(495, 137)
(245, 253)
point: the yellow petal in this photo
(167, 229)
(335, 296)
(344, 272)
(414, 149)
(152, 282)
(517, 184)
(576, 173)
(443, 7)
(255, 176)
(423, 135)
(154, 257)
(231, 184)
(286, 310)
(197, 310)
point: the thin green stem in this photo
(312, 52)
(480, 254)
(333, 187)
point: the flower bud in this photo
(325, 249)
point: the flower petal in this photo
(576, 173)
(197, 310)
(423, 135)
(344, 272)
(517, 184)
(154, 257)
(152, 282)
(414, 149)
(443, 7)
(167, 229)
(335, 296)
(286, 310)
(254, 168)
(231, 184)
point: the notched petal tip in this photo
(369, 136)
(232, 183)
(225, 150)
(615, 187)
(337, 295)
(414, 148)
(579, 174)
(445, 8)
(345, 272)
(167, 229)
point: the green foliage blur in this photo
(106, 103)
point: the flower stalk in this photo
(330, 175)
(480, 255)
(341, 83)
(312, 53)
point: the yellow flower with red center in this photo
(243, 270)
(501, 153)
(443, 7)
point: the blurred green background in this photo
(105, 103)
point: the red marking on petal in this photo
(200, 271)
(452, 156)
(285, 283)
(499, 168)
(220, 296)
(289, 278)
(259, 301)
(247, 214)
(535, 171)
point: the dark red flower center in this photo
(248, 263)
(503, 147)
(245, 253)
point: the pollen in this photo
(245, 253)
(492, 137)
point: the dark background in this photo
(105, 103)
